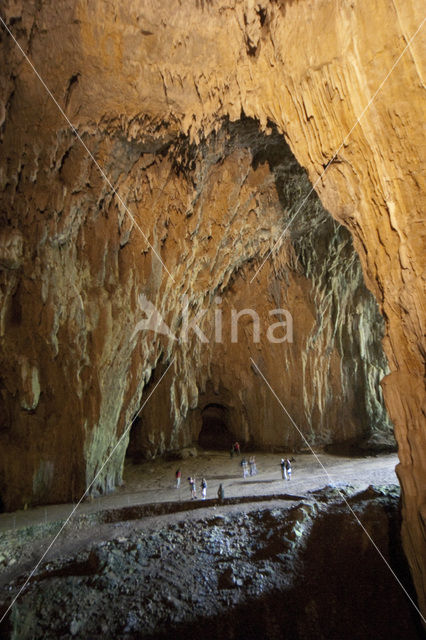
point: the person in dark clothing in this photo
(192, 487)
(288, 468)
(203, 488)
(221, 493)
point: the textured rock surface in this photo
(242, 572)
(142, 83)
(327, 369)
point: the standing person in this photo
(192, 488)
(251, 465)
(288, 468)
(221, 493)
(203, 488)
(254, 466)
(178, 477)
(283, 470)
(237, 448)
(243, 464)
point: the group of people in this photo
(192, 485)
(193, 488)
(247, 468)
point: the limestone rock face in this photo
(307, 321)
(185, 109)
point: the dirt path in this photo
(152, 482)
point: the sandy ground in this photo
(152, 482)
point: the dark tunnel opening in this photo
(215, 432)
(134, 450)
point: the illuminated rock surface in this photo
(186, 109)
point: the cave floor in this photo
(148, 498)
(154, 481)
(148, 561)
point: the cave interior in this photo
(213, 232)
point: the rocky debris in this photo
(170, 580)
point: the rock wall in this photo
(327, 369)
(142, 83)
(328, 363)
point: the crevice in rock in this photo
(72, 82)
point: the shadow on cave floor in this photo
(356, 449)
(229, 476)
(247, 481)
(341, 592)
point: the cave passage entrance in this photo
(215, 432)
(134, 449)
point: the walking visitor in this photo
(288, 468)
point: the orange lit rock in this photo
(142, 82)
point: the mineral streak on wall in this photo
(181, 105)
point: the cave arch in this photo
(215, 432)
(304, 101)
